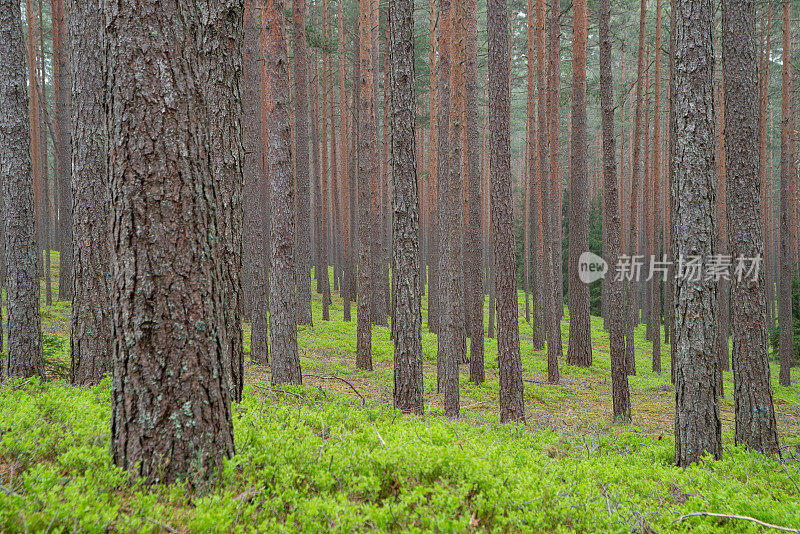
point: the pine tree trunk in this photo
(407, 319)
(755, 415)
(167, 297)
(256, 238)
(90, 339)
(367, 181)
(511, 387)
(473, 244)
(24, 349)
(579, 351)
(620, 393)
(302, 163)
(62, 88)
(785, 348)
(697, 418)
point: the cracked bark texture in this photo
(407, 319)
(256, 201)
(91, 335)
(63, 116)
(223, 51)
(785, 344)
(24, 348)
(512, 406)
(697, 418)
(473, 243)
(285, 362)
(367, 186)
(301, 162)
(752, 392)
(171, 407)
(579, 350)
(620, 393)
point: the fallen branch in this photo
(162, 525)
(272, 390)
(334, 377)
(742, 517)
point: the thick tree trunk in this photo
(579, 351)
(755, 415)
(90, 339)
(301, 162)
(620, 394)
(24, 349)
(697, 418)
(511, 387)
(407, 320)
(171, 412)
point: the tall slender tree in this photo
(256, 213)
(620, 393)
(171, 412)
(511, 387)
(756, 428)
(785, 348)
(301, 162)
(367, 181)
(407, 320)
(24, 349)
(90, 345)
(473, 253)
(697, 418)
(579, 351)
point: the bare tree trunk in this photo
(511, 388)
(697, 418)
(620, 393)
(302, 164)
(179, 296)
(90, 339)
(473, 243)
(367, 181)
(755, 414)
(785, 348)
(579, 351)
(24, 350)
(407, 320)
(256, 238)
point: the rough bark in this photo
(473, 243)
(620, 393)
(510, 361)
(367, 181)
(754, 412)
(579, 351)
(24, 348)
(785, 348)
(63, 140)
(301, 162)
(256, 238)
(407, 321)
(171, 412)
(284, 361)
(655, 311)
(90, 339)
(697, 418)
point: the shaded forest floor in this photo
(333, 455)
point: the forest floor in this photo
(333, 455)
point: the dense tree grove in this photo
(520, 199)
